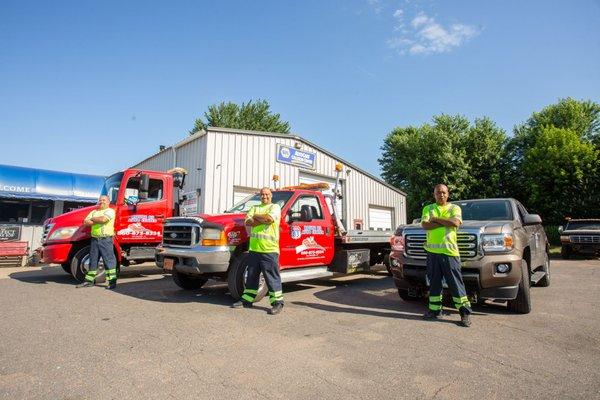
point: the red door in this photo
(140, 222)
(306, 243)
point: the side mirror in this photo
(144, 185)
(560, 229)
(306, 214)
(532, 219)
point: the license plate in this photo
(168, 264)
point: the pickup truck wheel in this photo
(236, 278)
(404, 295)
(565, 252)
(187, 282)
(80, 264)
(545, 281)
(522, 304)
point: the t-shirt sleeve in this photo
(456, 212)
(275, 212)
(425, 215)
(109, 213)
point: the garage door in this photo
(306, 178)
(380, 218)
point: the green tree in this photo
(466, 157)
(561, 171)
(255, 116)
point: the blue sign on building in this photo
(300, 158)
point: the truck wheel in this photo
(187, 282)
(565, 252)
(80, 264)
(404, 295)
(545, 281)
(236, 278)
(66, 267)
(522, 304)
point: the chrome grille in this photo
(585, 239)
(467, 245)
(47, 228)
(181, 235)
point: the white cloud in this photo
(375, 5)
(426, 36)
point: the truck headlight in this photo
(500, 242)
(213, 237)
(63, 233)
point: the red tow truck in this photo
(141, 200)
(313, 242)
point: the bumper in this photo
(56, 253)
(583, 248)
(197, 260)
(478, 275)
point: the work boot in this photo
(465, 320)
(431, 315)
(111, 286)
(85, 284)
(276, 309)
(241, 303)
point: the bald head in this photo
(266, 195)
(441, 194)
(103, 202)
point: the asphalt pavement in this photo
(347, 338)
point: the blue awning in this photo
(30, 183)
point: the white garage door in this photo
(380, 218)
(306, 178)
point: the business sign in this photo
(189, 206)
(300, 158)
(9, 232)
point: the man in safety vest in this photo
(441, 221)
(264, 252)
(102, 223)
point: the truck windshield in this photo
(486, 210)
(583, 226)
(111, 187)
(244, 206)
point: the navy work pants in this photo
(268, 264)
(442, 266)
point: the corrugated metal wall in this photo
(220, 160)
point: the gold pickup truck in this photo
(503, 250)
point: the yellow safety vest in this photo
(442, 240)
(264, 238)
(106, 229)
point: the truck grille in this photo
(467, 245)
(180, 235)
(585, 239)
(47, 228)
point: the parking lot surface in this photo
(348, 338)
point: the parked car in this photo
(580, 236)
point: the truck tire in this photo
(81, 261)
(236, 279)
(187, 282)
(66, 267)
(403, 293)
(545, 281)
(522, 304)
(565, 252)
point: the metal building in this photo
(225, 165)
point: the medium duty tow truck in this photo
(313, 242)
(141, 200)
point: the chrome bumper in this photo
(196, 260)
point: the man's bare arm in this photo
(263, 218)
(449, 222)
(428, 225)
(99, 220)
(88, 222)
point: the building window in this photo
(25, 211)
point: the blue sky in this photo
(94, 87)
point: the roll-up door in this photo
(306, 178)
(380, 218)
